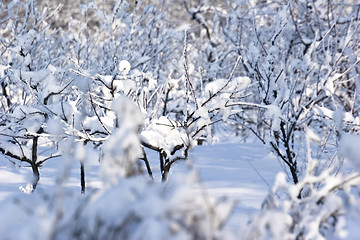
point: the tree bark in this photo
(148, 168)
(34, 166)
(82, 177)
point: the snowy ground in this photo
(243, 172)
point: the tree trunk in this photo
(148, 168)
(161, 162)
(82, 177)
(34, 166)
(36, 175)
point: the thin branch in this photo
(147, 145)
(97, 115)
(39, 163)
(204, 126)
(10, 154)
(148, 168)
(21, 149)
(56, 93)
(226, 84)
(187, 75)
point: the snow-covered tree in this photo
(113, 83)
(33, 84)
(302, 61)
(319, 206)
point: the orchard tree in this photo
(302, 74)
(32, 87)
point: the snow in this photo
(349, 148)
(241, 172)
(2, 70)
(68, 105)
(274, 113)
(164, 134)
(124, 67)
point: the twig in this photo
(147, 164)
(97, 115)
(226, 84)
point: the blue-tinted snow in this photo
(243, 172)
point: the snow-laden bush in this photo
(114, 84)
(127, 207)
(321, 213)
(301, 74)
(33, 83)
(147, 210)
(133, 208)
(179, 108)
(321, 205)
